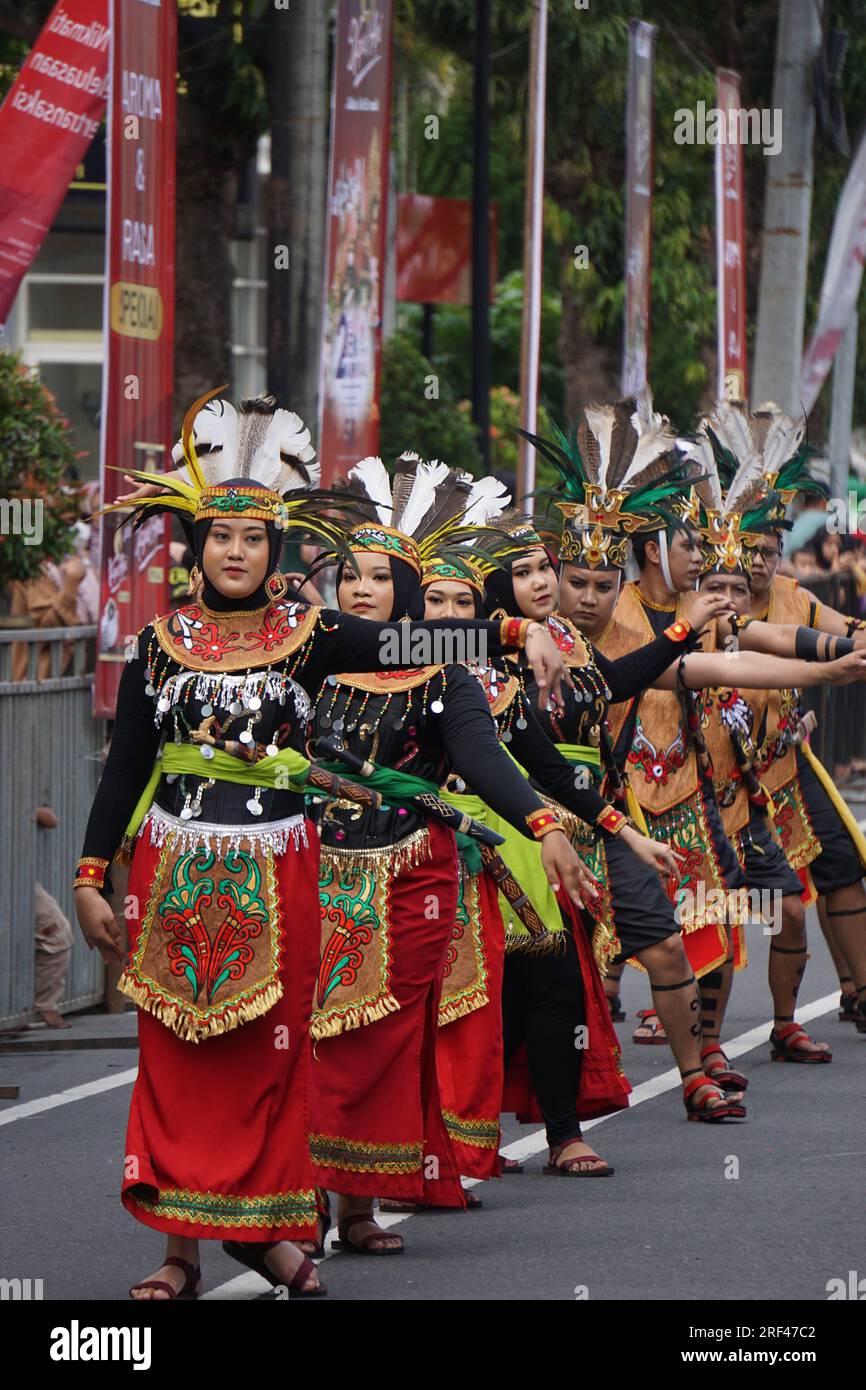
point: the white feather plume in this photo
(428, 475)
(700, 452)
(215, 433)
(488, 498)
(372, 474)
(600, 420)
(784, 438)
(658, 439)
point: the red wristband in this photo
(513, 631)
(678, 631)
(611, 820)
(542, 821)
(90, 873)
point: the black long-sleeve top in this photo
(439, 724)
(191, 664)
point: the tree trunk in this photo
(206, 195)
(298, 99)
(785, 256)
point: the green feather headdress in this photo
(617, 476)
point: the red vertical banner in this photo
(639, 202)
(357, 223)
(730, 247)
(139, 320)
(50, 115)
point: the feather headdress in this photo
(617, 476)
(429, 512)
(753, 464)
(258, 441)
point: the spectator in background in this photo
(64, 595)
(53, 943)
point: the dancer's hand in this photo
(846, 669)
(548, 666)
(655, 853)
(563, 867)
(700, 608)
(98, 924)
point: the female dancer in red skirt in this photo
(224, 924)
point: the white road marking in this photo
(89, 1088)
(246, 1285)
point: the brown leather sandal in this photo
(252, 1256)
(568, 1168)
(365, 1243)
(191, 1287)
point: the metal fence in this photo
(840, 737)
(50, 755)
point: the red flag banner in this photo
(47, 121)
(843, 275)
(730, 249)
(139, 321)
(434, 250)
(357, 222)
(639, 193)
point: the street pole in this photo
(530, 340)
(298, 100)
(841, 410)
(785, 255)
(481, 233)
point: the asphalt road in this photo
(672, 1223)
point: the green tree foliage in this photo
(415, 417)
(36, 459)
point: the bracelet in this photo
(678, 631)
(90, 873)
(611, 820)
(542, 821)
(514, 631)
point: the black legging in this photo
(542, 1006)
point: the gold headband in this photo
(384, 540)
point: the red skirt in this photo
(216, 1146)
(469, 1056)
(604, 1087)
(375, 1113)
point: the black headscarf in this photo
(408, 594)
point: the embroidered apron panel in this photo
(353, 985)
(464, 988)
(208, 956)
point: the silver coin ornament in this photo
(246, 736)
(272, 750)
(254, 807)
(207, 751)
(254, 702)
(236, 707)
(207, 710)
(163, 704)
(436, 706)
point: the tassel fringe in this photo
(452, 1009)
(552, 943)
(389, 859)
(358, 1016)
(187, 1027)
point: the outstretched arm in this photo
(760, 671)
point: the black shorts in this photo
(725, 852)
(643, 914)
(838, 865)
(763, 859)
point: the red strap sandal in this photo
(720, 1072)
(569, 1167)
(509, 1165)
(784, 1046)
(364, 1244)
(702, 1109)
(652, 1028)
(252, 1256)
(191, 1285)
